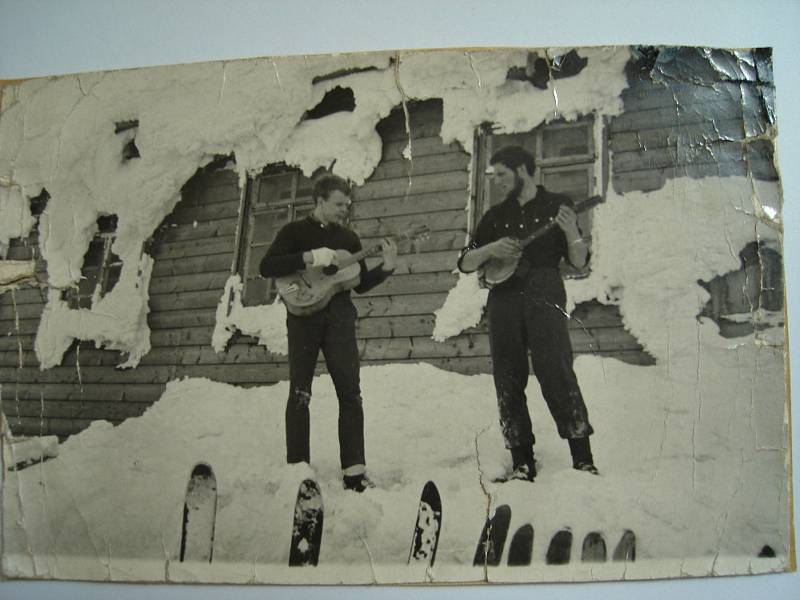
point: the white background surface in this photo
(55, 37)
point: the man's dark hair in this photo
(512, 157)
(329, 183)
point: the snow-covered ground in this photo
(702, 487)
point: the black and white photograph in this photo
(454, 315)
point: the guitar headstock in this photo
(414, 233)
(417, 233)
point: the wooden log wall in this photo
(692, 123)
(194, 250)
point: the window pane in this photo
(304, 185)
(563, 141)
(256, 254)
(112, 277)
(258, 291)
(526, 140)
(302, 211)
(94, 254)
(86, 287)
(575, 183)
(275, 189)
(772, 280)
(267, 224)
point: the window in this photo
(101, 267)
(127, 131)
(749, 298)
(569, 159)
(276, 197)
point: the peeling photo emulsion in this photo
(423, 316)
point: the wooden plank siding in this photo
(685, 129)
(194, 251)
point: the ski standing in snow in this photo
(493, 538)
(199, 515)
(312, 243)
(306, 525)
(526, 311)
(428, 527)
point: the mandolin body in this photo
(497, 270)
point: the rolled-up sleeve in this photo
(482, 236)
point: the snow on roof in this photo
(60, 134)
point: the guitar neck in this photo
(367, 252)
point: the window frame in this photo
(751, 290)
(296, 206)
(73, 296)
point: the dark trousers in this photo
(528, 316)
(333, 330)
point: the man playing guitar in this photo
(526, 312)
(312, 242)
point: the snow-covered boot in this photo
(524, 464)
(358, 483)
(523, 473)
(581, 451)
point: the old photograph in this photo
(459, 315)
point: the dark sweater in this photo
(285, 255)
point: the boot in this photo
(357, 483)
(524, 464)
(581, 451)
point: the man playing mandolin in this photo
(313, 242)
(526, 312)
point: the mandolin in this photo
(309, 291)
(496, 270)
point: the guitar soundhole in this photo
(330, 270)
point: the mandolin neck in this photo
(538, 233)
(579, 208)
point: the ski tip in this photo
(594, 548)
(521, 549)
(766, 552)
(493, 537)
(430, 494)
(309, 494)
(626, 548)
(430, 488)
(202, 469)
(525, 531)
(503, 512)
(560, 548)
(309, 484)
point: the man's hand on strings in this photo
(506, 248)
(567, 220)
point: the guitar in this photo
(496, 270)
(309, 291)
